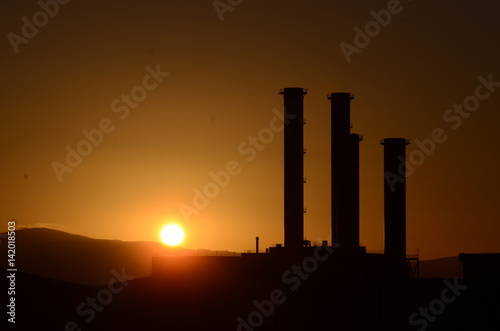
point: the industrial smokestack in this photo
(395, 197)
(345, 173)
(294, 166)
(349, 224)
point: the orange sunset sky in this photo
(222, 88)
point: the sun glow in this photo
(172, 235)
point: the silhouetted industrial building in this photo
(346, 272)
(345, 217)
(480, 266)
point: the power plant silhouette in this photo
(360, 282)
(338, 284)
(344, 180)
(344, 200)
(344, 188)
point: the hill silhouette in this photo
(446, 267)
(83, 260)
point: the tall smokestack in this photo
(345, 173)
(349, 225)
(395, 197)
(294, 166)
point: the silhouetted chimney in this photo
(257, 245)
(349, 226)
(345, 173)
(294, 166)
(395, 197)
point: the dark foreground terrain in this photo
(262, 302)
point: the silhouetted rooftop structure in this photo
(480, 266)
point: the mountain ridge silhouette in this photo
(83, 260)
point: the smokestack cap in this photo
(293, 90)
(339, 95)
(394, 141)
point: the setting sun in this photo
(172, 235)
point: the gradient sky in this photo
(223, 84)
